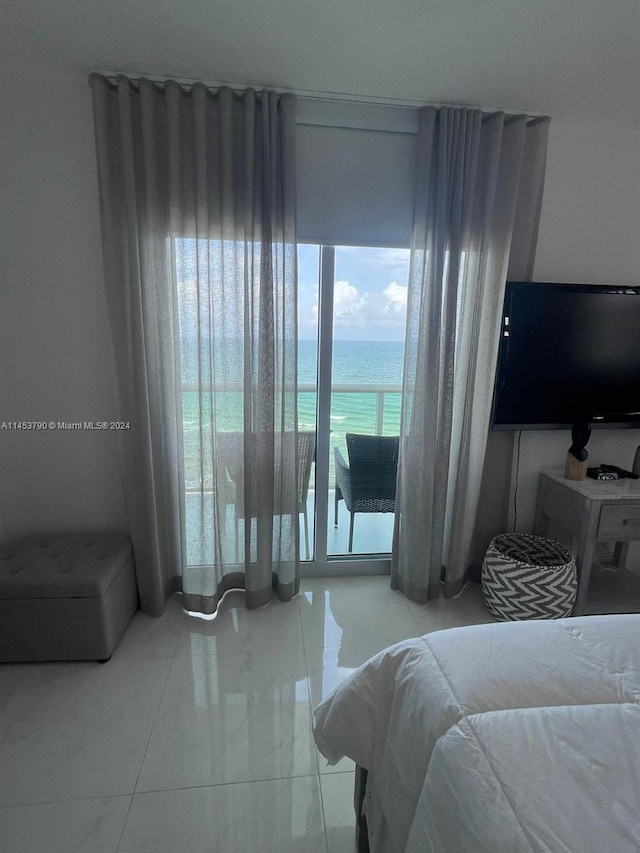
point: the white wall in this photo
(54, 340)
(54, 337)
(589, 232)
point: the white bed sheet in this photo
(550, 686)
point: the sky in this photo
(370, 293)
(370, 290)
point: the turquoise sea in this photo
(359, 363)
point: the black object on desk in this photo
(601, 474)
(621, 472)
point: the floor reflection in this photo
(197, 734)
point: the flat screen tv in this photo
(569, 354)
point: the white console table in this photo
(581, 513)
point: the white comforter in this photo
(502, 738)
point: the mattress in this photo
(520, 736)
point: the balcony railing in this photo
(380, 416)
(378, 390)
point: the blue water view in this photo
(358, 363)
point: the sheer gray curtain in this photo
(478, 197)
(197, 197)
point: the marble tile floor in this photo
(196, 735)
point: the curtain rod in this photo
(315, 95)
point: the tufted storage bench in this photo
(65, 597)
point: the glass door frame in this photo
(321, 564)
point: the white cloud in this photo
(349, 305)
(395, 261)
(397, 298)
(357, 309)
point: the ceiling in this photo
(572, 59)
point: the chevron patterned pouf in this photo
(528, 577)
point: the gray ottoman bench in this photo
(65, 597)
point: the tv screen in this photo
(569, 353)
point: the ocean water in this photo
(359, 363)
(354, 363)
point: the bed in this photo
(503, 738)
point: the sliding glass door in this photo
(352, 308)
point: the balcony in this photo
(372, 533)
(366, 408)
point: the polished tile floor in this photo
(196, 736)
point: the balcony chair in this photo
(232, 444)
(368, 482)
(306, 455)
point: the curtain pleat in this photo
(197, 198)
(478, 196)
